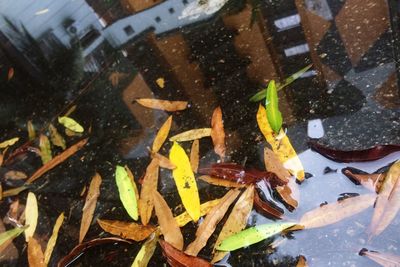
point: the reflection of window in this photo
(158, 19)
(287, 22)
(129, 30)
(89, 38)
(296, 50)
(171, 10)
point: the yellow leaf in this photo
(127, 230)
(31, 130)
(185, 181)
(184, 218)
(194, 155)
(161, 135)
(162, 104)
(149, 185)
(31, 215)
(146, 251)
(132, 179)
(53, 239)
(9, 142)
(35, 254)
(70, 124)
(191, 135)
(160, 82)
(218, 133)
(280, 145)
(45, 149)
(220, 182)
(55, 137)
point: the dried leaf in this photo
(302, 262)
(127, 192)
(31, 215)
(70, 133)
(220, 182)
(161, 135)
(169, 227)
(162, 104)
(14, 191)
(10, 74)
(146, 251)
(35, 253)
(207, 227)
(337, 211)
(218, 133)
(53, 239)
(70, 111)
(90, 205)
(31, 130)
(160, 82)
(57, 160)
(253, 235)
(288, 195)
(45, 149)
(371, 181)
(266, 209)
(194, 155)
(191, 135)
(70, 124)
(281, 145)
(384, 259)
(15, 175)
(149, 185)
(9, 142)
(163, 161)
(11, 234)
(185, 181)
(236, 221)
(177, 258)
(184, 218)
(128, 230)
(273, 164)
(55, 137)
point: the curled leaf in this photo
(9, 142)
(45, 149)
(194, 155)
(191, 135)
(161, 135)
(218, 133)
(127, 192)
(53, 239)
(177, 258)
(35, 254)
(55, 137)
(149, 185)
(266, 209)
(162, 104)
(184, 218)
(146, 251)
(383, 259)
(128, 230)
(31, 215)
(70, 124)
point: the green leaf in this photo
(70, 124)
(271, 105)
(127, 193)
(261, 94)
(11, 234)
(252, 235)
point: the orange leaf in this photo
(302, 262)
(53, 239)
(162, 104)
(194, 155)
(90, 205)
(288, 195)
(10, 74)
(273, 164)
(177, 258)
(220, 182)
(35, 254)
(149, 185)
(371, 181)
(161, 135)
(127, 230)
(384, 259)
(169, 227)
(57, 160)
(207, 227)
(218, 133)
(163, 161)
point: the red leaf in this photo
(177, 258)
(265, 208)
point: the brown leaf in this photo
(177, 258)
(302, 262)
(337, 211)
(90, 205)
(384, 259)
(163, 161)
(55, 137)
(161, 135)
(287, 195)
(169, 227)
(45, 148)
(14, 191)
(35, 254)
(236, 221)
(15, 175)
(149, 185)
(191, 135)
(220, 182)
(194, 155)
(207, 227)
(10, 73)
(57, 160)
(53, 239)
(273, 164)
(127, 230)
(371, 181)
(265, 208)
(218, 133)
(162, 104)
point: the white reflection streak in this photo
(41, 12)
(197, 8)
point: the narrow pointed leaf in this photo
(45, 149)
(218, 133)
(383, 259)
(205, 208)
(35, 253)
(11, 234)
(163, 161)
(31, 131)
(161, 135)
(191, 135)
(128, 230)
(194, 155)
(220, 182)
(371, 181)
(253, 235)
(146, 251)
(56, 138)
(31, 215)
(177, 258)
(149, 185)
(127, 192)
(271, 105)
(53, 239)
(71, 124)
(185, 181)
(162, 104)
(9, 142)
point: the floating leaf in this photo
(57, 160)
(163, 161)
(191, 135)
(55, 137)
(162, 104)
(220, 182)
(11, 234)
(302, 262)
(383, 259)
(160, 82)
(132, 178)
(127, 192)
(127, 230)
(31, 215)
(10, 74)
(15, 175)
(218, 133)
(70, 124)
(9, 142)
(253, 235)
(146, 251)
(266, 209)
(236, 221)
(149, 185)
(371, 181)
(14, 191)
(169, 227)
(337, 211)
(90, 205)
(185, 181)
(53, 239)
(70, 133)
(273, 114)
(177, 258)
(273, 164)
(31, 130)
(207, 227)
(45, 150)
(281, 146)
(205, 208)
(162, 135)
(194, 155)
(289, 194)
(35, 253)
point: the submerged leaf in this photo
(31, 131)
(90, 205)
(128, 230)
(162, 104)
(253, 235)
(169, 227)
(146, 251)
(9, 142)
(15, 175)
(194, 155)
(31, 215)
(35, 253)
(177, 258)
(55, 137)
(127, 192)
(161, 135)
(273, 164)
(53, 239)
(383, 259)
(160, 82)
(149, 185)
(45, 149)
(191, 135)
(163, 161)
(220, 182)
(70, 124)
(184, 218)
(266, 209)
(271, 105)
(218, 133)
(11, 234)
(185, 181)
